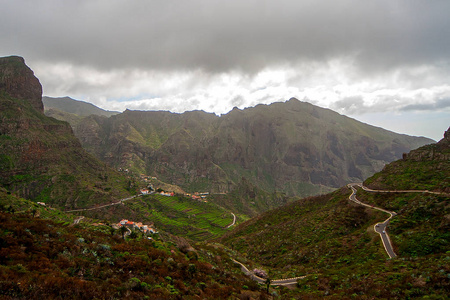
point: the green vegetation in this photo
(291, 239)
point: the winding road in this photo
(380, 227)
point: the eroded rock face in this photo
(18, 81)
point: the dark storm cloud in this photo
(219, 36)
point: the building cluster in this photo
(145, 191)
(168, 194)
(148, 229)
(198, 196)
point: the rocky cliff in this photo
(18, 81)
(40, 158)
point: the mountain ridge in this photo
(291, 146)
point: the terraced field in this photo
(183, 216)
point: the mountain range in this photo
(325, 246)
(293, 146)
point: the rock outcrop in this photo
(18, 81)
(437, 152)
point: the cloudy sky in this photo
(383, 62)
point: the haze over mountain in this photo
(294, 147)
(40, 158)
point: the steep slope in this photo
(40, 158)
(72, 106)
(294, 147)
(333, 239)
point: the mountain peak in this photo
(18, 81)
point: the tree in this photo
(123, 229)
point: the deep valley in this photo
(280, 201)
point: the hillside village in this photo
(146, 229)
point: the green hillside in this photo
(333, 239)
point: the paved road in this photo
(398, 191)
(105, 205)
(379, 228)
(287, 281)
(234, 221)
